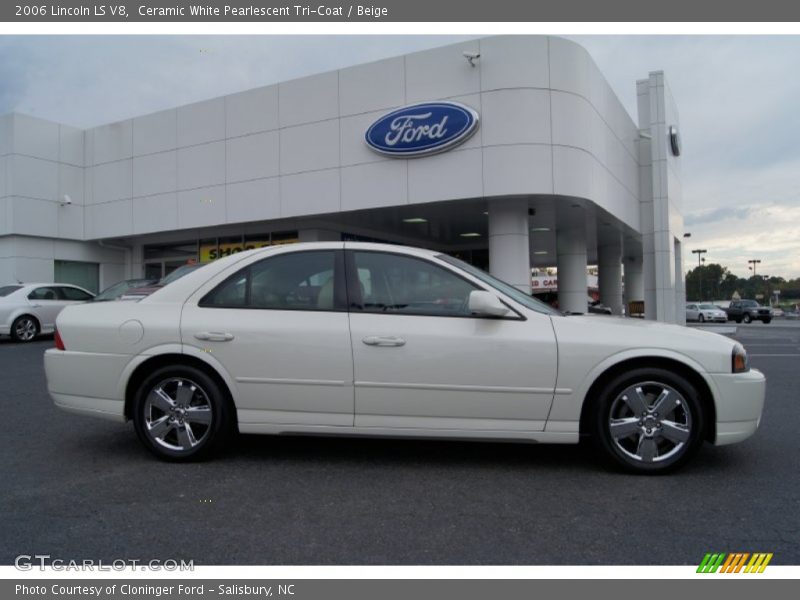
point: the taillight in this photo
(59, 341)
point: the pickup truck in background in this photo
(747, 311)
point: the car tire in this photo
(633, 432)
(180, 414)
(701, 318)
(738, 320)
(24, 329)
(747, 318)
(766, 321)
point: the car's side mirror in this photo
(486, 304)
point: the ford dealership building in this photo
(511, 152)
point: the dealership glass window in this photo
(83, 274)
(181, 250)
(284, 237)
(209, 250)
(296, 281)
(391, 283)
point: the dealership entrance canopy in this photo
(510, 152)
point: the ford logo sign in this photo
(422, 129)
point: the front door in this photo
(279, 327)
(423, 362)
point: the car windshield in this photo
(9, 289)
(708, 307)
(116, 290)
(501, 286)
(749, 303)
(178, 273)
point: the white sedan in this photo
(30, 309)
(345, 338)
(705, 312)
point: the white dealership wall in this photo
(553, 138)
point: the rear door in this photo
(423, 362)
(46, 303)
(279, 327)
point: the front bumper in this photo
(739, 405)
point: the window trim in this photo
(354, 289)
(339, 293)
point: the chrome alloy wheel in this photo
(177, 414)
(650, 422)
(25, 329)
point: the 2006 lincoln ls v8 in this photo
(368, 339)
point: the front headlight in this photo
(739, 362)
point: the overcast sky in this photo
(738, 97)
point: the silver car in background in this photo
(30, 309)
(705, 312)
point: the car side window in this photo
(393, 283)
(294, 281)
(43, 293)
(74, 294)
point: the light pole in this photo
(699, 271)
(754, 262)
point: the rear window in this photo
(9, 289)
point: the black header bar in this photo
(460, 11)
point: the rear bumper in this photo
(86, 383)
(739, 405)
(104, 408)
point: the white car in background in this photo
(346, 338)
(30, 309)
(705, 313)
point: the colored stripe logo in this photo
(734, 562)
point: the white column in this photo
(571, 259)
(609, 264)
(509, 244)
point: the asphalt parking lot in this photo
(75, 488)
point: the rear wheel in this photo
(648, 421)
(24, 329)
(747, 318)
(181, 414)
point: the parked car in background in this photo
(350, 338)
(777, 311)
(705, 312)
(116, 291)
(138, 293)
(747, 311)
(598, 308)
(30, 309)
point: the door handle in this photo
(214, 336)
(376, 340)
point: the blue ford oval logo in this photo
(421, 129)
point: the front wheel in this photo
(765, 321)
(180, 413)
(648, 421)
(701, 318)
